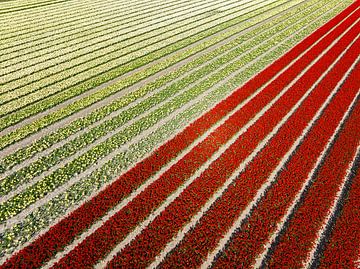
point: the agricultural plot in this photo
(164, 133)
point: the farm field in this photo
(179, 134)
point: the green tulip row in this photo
(19, 202)
(45, 215)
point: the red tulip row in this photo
(205, 236)
(63, 233)
(343, 248)
(269, 211)
(301, 231)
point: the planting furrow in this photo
(241, 248)
(238, 79)
(192, 131)
(99, 47)
(47, 141)
(100, 28)
(337, 251)
(56, 99)
(184, 16)
(205, 235)
(292, 243)
(65, 34)
(124, 54)
(29, 16)
(5, 5)
(71, 195)
(62, 153)
(203, 167)
(103, 24)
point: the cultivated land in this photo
(163, 134)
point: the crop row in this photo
(67, 35)
(198, 193)
(64, 75)
(174, 177)
(23, 175)
(17, 203)
(98, 178)
(98, 96)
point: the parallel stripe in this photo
(68, 184)
(20, 188)
(76, 14)
(240, 78)
(67, 46)
(65, 95)
(107, 44)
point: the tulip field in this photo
(180, 134)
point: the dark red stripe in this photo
(343, 248)
(63, 233)
(205, 236)
(254, 233)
